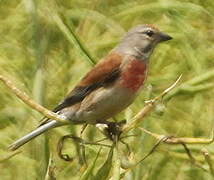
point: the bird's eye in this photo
(149, 33)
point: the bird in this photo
(110, 86)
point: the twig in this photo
(100, 140)
(192, 159)
(127, 146)
(147, 108)
(130, 167)
(183, 142)
(208, 160)
(83, 129)
(152, 150)
(117, 161)
(175, 140)
(164, 139)
(27, 100)
(77, 140)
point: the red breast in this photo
(134, 74)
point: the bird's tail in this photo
(41, 129)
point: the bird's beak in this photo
(164, 37)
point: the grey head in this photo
(141, 40)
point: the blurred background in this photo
(48, 46)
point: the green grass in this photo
(47, 46)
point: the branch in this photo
(208, 160)
(183, 141)
(27, 100)
(175, 140)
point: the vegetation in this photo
(47, 46)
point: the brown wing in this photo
(104, 73)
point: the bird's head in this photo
(141, 41)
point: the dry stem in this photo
(27, 100)
(176, 140)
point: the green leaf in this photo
(88, 173)
(103, 172)
(116, 165)
(73, 39)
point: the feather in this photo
(103, 74)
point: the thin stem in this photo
(175, 140)
(27, 100)
(208, 160)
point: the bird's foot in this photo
(114, 129)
